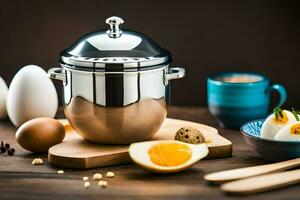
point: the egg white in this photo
(269, 129)
(285, 134)
(139, 154)
(31, 94)
(3, 96)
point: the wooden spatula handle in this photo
(262, 183)
(234, 174)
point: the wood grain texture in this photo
(229, 175)
(21, 180)
(77, 153)
(262, 183)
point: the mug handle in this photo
(281, 91)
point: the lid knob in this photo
(114, 23)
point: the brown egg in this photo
(39, 134)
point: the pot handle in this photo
(56, 73)
(175, 73)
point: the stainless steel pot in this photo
(115, 85)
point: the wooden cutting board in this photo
(75, 152)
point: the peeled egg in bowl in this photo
(289, 133)
(166, 156)
(276, 122)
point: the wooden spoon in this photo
(262, 183)
(229, 175)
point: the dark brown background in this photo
(204, 36)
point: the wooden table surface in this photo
(19, 179)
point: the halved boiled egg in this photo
(275, 122)
(166, 156)
(289, 133)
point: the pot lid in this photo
(114, 49)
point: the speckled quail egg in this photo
(190, 135)
(289, 133)
(166, 156)
(278, 120)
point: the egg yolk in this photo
(170, 154)
(295, 129)
(281, 119)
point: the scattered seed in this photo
(85, 178)
(60, 172)
(102, 183)
(37, 161)
(87, 184)
(10, 152)
(97, 176)
(110, 174)
(3, 149)
(7, 146)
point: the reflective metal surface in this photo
(114, 23)
(115, 85)
(115, 89)
(116, 125)
(116, 108)
(114, 49)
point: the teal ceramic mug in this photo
(236, 97)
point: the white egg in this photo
(3, 96)
(31, 94)
(289, 133)
(140, 154)
(271, 126)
